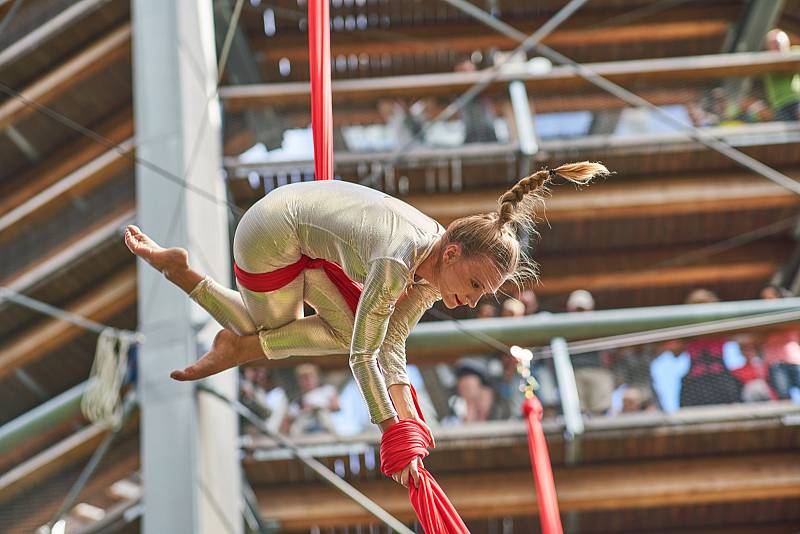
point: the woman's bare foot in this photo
(165, 260)
(225, 353)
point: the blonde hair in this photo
(495, 235)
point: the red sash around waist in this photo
(264, 282)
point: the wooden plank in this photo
(95, 235)
(469, 36)
(628, 198)
(709, 67)
(640, 485)
(68, 159)
(696, 276)
(47, 502)
(73, 185)
(40, 35)
(107, 299)
(34, 470)
(110, 48)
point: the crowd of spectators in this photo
(773, 97)
(665, 377)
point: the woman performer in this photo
(405, 260)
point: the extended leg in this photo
(225, 305)
(328, 332)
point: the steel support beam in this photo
(190, 465)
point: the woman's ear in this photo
(451, 253)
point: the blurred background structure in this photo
(684, 428)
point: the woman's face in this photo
(462, 281)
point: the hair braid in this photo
(529, 190)
(496, 236)
(509, 200)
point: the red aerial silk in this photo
(263, 282)
(407, 439)
(319, 58)
(401, 443)
(542, 471)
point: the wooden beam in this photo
(642, 485)
(696, 276)
(94, 236)
(663, 70)
(106, 300)
(66, 189)
(68, 159)
(111, 47)
(35, 469)
(469, 36)
(628, 198)
(41, 34)
(47, 502)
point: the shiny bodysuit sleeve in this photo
(385, 282)
(407, 313)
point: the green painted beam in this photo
(44, 416)
(440, 338)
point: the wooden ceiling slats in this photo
(105, 51)
(580, 488)
(70, 157)
(108, 298)
(464, 38)
(69, 187)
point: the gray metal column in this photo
(189, 456)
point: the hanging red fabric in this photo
(407, 439)
(319, 52)
(401, 443)
(542, 470)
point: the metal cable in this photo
(65, 315)
(123, 152)
(631, 98)
(489, 75)
(12, 11)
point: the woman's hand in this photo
(404, 404)
(411, 470)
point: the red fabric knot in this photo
(401, 443)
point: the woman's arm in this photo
(384, 283)
(392, 357)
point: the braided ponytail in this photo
(495, 236)
(534, 185)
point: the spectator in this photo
(708, 380)
(753, 374)
(774, 292)
(477, 115)
(512, 308)
(486, 310)
(311, 412)
(666, 372)
(528, 298)
(783, 89)
(264, 397)
(474, 397)
(593, 378)
(631, 368)
(781, 352)
(403, 123)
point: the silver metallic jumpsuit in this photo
(376, 239)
